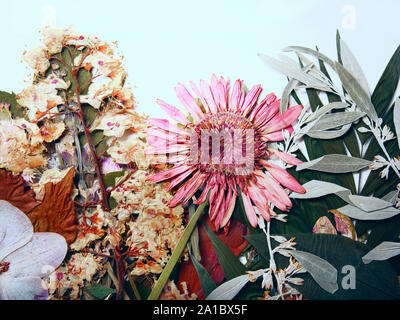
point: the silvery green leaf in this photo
(283, 106)
(331, 134)
(356, 92)
(357, 213)
(392, 197)
(369, 203)
(335, 120)
(351, 64)
(229, 289)
(295, 73)
(325, 109)
(312, 52)
(316, 189)
(321, 270)
(335, 163)
(383, 251)
(396, 119)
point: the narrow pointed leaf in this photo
(229, 262)
(357, 213)
(384, 251)
(335, 163)
(396, 119)
(369, 203)
(356, 92)
(229, 289)
(321, 270)
(350, 62)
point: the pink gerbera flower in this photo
(225, 144)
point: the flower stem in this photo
(104, 195)
(162, 280)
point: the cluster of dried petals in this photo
(21, 145)
(73, 275)
(155, 232)
(41, 99)
(151, 229)
(171, 292)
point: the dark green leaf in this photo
(207, 283)
(230, 264)
(99, 291)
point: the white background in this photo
(166, 42)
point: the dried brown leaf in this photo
(14, 191)
(57, 211)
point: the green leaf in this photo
(384, 251)
(387, 84)
(229, 262)
(109, 178)
(322, 271)
(335, 163)
(16, 110)
(377, 280)
(207, 283)
(162, 280)
(356, 91)
(229, 289)
(99, 291)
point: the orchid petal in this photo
(45, 250)
(26, 288)
(17, 226)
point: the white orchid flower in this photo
(25, 256)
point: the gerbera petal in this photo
(251, 99)
(199, 95)
(167, 126)
(203, 195)
(229, 211)
(285, 157)
(277, 135)
(283, 177)
(207, 94)
(266, 114)
(177, 180)
(250, 211)
(284, 120)
(274, 192)
(260, 200)
(167, 149)
(187, 190)
(188, 102)
(168, 158)
(217, 208)
(167, 174)
(173, 112)
(235, 96)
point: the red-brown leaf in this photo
(57, 211)
(13, 190)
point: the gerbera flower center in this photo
(224, 143)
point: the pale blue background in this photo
(165, 42)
